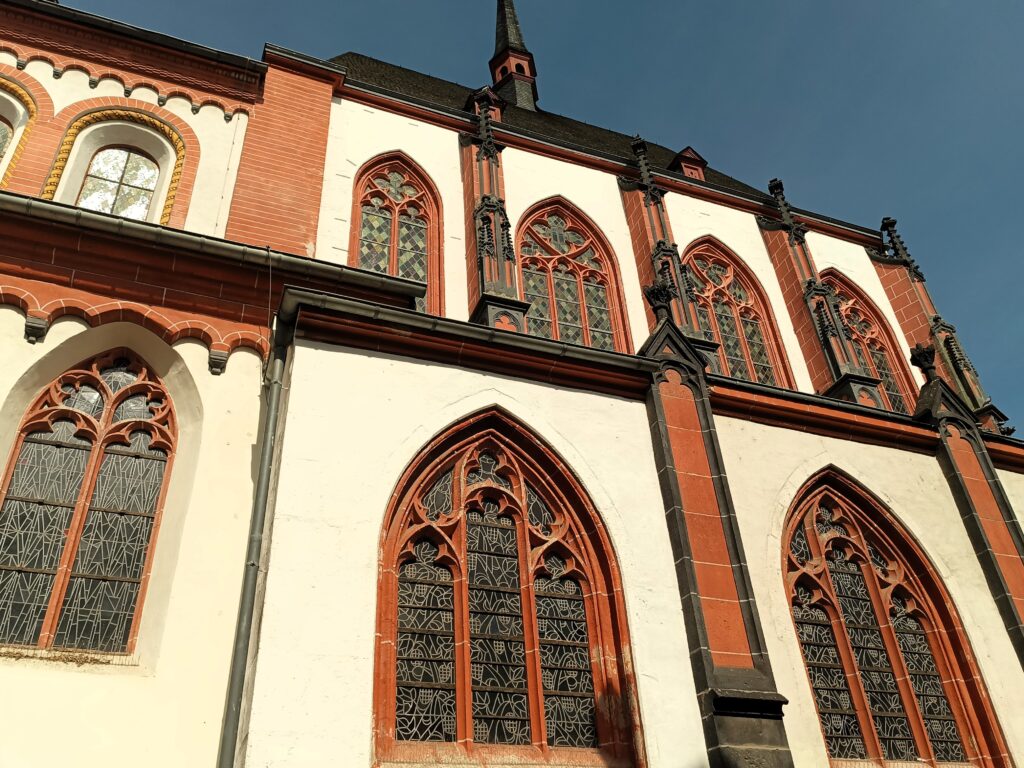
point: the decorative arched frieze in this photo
(221, 337)
(135, 75)
(493, 555)
(889, 661)
(570, 276)
(397, 224)
(126, 115)
(874, 344)
(734, 311)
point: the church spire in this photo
(512, 69)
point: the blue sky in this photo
(867, 109)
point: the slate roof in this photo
(407, 82)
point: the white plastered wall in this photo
(220, 141)
(1013, 484)
(913, 487)
(855, 264)
(692, 219)
(168, 698)
(313, 690)
(531, 178)
(359, 133)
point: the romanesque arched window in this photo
(81, 504)
(568, 276)
(396, 224)
(6, 134)
(500, 623)
(873, 345)
(888, 662)
(733, 311)
(121, 181)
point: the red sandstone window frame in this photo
(758, 307)
(44, 411)
(908, 575)
(880, 336)
(531, 460)
(606, 275)
(427, 200)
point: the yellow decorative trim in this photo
(125, 116)
(30, 106)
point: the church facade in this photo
(465, 433)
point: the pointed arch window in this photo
(732, 311)
(499, 629)
(872, 346)
(81, 505)
(892, 675)
(396, 225)
(568, 278)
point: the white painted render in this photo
(1013, 484)
(313, 688)
(220, 140)
(855, 264)
(692, 219)
(913, 487)
(531, 178)
(358, 133)
(168, 698)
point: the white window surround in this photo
(117, 133)
(14, 112)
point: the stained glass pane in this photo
(873, 663)
(928, 688)
(5, 137)
(836, 710)
(109, 164)
(100, 603)
(412, 249)
(798, 546)
(599, 318)
(34, 520)
(141, 172)
(758, 351)
(486, 472)
(85, 399)
(118, 376)
(715, 272)
(732, 346)
(566, 675)
(535, 290)
(539, 514)
(375, 239)
(889, 386)
(426, 649)
(132, 203)
(567, 308)
(497, 646)
(437, 502)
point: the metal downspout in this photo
(284, 337)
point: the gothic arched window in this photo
(731, 310)
(81, 504)
(396, 225)
(873, 345)
(121, 181)
(568, 277)
(501, 623)
(889, 666)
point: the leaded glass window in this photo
(567, 280)
(872, 665)
(396, 225)
(81, 505)
(729, 312)
(871, 349)
(494, 640)
(6, 134)
(120, 181)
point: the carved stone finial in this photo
(899, 249)
(923, 357)
(775, 188)
(662, 293)
(789, 224)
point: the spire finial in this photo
(508, 34)
(512, 69)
